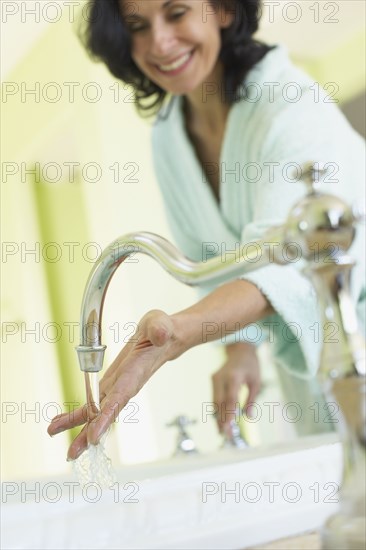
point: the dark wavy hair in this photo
(107, 39)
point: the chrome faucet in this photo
(234, 439)
(185, 444)
(318, 218)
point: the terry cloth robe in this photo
(282, 121)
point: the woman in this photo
(236, 106)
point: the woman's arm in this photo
(231, 306)
(161, 338)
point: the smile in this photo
(177, 65)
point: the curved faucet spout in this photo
(317, 219)
(214, 270)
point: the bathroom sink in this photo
(231, 499)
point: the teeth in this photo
(176, 64)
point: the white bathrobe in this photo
(284, 121)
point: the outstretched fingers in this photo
(94, 429)
(79, 444)
(111, 407)
(80, 416)
(131, 369)
(68, 420)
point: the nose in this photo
(163, 39)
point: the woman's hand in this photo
(154, 343)
(241, 367)
(161, 338)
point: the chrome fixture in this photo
(185, 444)
(317, 218)
(234, 440)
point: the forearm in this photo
(229, 308)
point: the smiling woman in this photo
(175, 41)
(234, 103)
(165, 33)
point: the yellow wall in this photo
(342, 71)
(85, 212)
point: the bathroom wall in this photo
(94, 182)
(79, 212)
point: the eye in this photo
(136, 27)
(177, 13)
(134, 24)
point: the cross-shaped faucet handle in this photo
(312, 173)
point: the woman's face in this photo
(175, 43)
